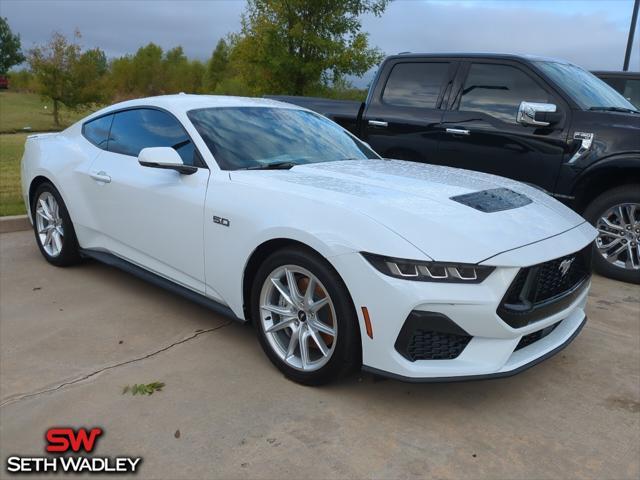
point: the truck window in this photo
(497, 90)
(632, 91)
(415, 84)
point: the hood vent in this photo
(494, 200)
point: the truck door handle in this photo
(101, 177)
(458, 131)
(378, 123)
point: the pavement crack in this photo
(25, 396)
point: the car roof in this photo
(182, 102)
(502, 56)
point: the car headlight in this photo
(428, 271)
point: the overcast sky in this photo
(591, 33)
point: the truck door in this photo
(403, 113)
(481, 131)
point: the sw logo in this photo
(61, 440)
(65, 439)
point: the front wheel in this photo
(616, 215)
(304, 317)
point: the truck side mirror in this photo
(537, 114)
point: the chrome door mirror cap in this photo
(528, 110)
(164, 157)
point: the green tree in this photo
(148, 71)
(177, 71)
(194, 79)
(217, 66)
(10, 52)
(67, 75)
(300, 46)
(121, 81)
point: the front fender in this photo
(257, 215)
(606, 173)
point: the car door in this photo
(149, 216)
(481, 132)
(403, 115)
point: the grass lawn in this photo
(17, 111)
(21, 110)
(11, 148)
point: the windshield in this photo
(587, 90)
(259, 137)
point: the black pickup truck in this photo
(544, 122)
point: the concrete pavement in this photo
(70, 339)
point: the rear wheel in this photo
(52, 225)
(304, 317)
(616, 215)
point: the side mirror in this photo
(164, 157)
(538, 114)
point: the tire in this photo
(62, 250)
(340, 353)
(604, 206)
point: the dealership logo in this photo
(75, 444)
(65, 439)
(565, 265)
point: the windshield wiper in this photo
(273, 166)
(614, 109)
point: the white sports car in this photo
(270, 213)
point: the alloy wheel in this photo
(49, 224)
(618, 239)
(298, 318)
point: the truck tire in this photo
(616, 215)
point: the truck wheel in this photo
(616, 215)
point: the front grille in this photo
(426, 345)
(546, 288)
(535, 336)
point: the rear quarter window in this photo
(97, 131)
(415, 84)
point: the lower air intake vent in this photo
(430, 336)
(535, 336)
(494, 200)
(426, 345)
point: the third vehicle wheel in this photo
(616, 215)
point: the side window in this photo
(616, 83)
(415, 84)
(97, 131)
(133, 130)
(632, 92)
(497, 90)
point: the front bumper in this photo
(510, 368)
(493, 349)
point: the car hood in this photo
(415, 201)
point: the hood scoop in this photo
(493, 200)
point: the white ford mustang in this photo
(271, 213)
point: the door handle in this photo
(458, 131)
(378, 123)
(101, 177)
